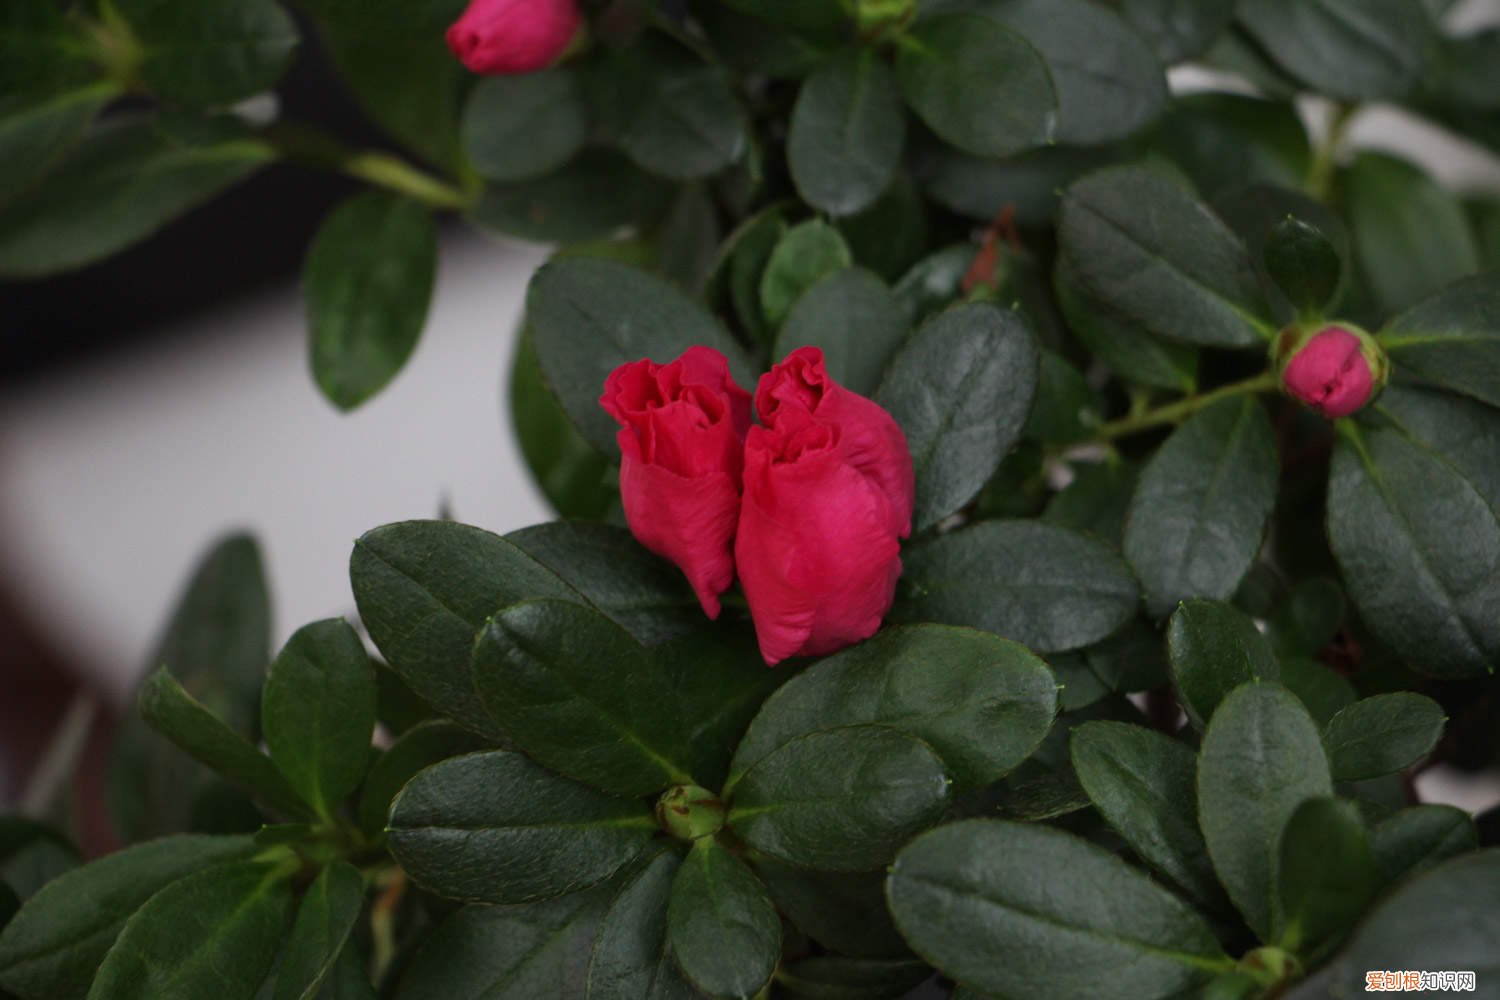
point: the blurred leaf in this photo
(1178, 29)
(1120, 343)
(846, 133)
(843, 911)
(208, 53)
(36, 132)
(804, 255)
(1326, 874)
(1322, 691)
(1350, 49)
(836, 977)
(1419, 837)
(516, 128)
(593, 196)
(569, 471)
(853, 318)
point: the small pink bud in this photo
(1334, 370)
(505, 37)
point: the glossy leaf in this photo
(1261, 758)
(1452, 340)
(589, 316)
(582, 697)
(496, 827)
(1140, 243)
(54, 945)
(1424, 580)
(419, 747)
(1201, 507)
(846, 133)
(978, 85)
(1045, 587)
(368, 280)
(630, 958)
(1461, 432)
(212, 934)
(319, 711)
(721, 925)
(961, 390)
(852, 316)
(1304, 264)
(325, 919)
(839, 799)
(1143, 784)
(1382, 735)
(1016, 909)
(516, 128)
(1213, 649)
(424, 590)
(981, 702)
(1352, 49)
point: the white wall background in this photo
(114, 476)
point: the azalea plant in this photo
(1023, 529)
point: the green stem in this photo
(314, 149)
(1319, 181)
(1179, 411)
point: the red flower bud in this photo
(1335, 370)
(503, 37)
(681, 441)
(828, 495)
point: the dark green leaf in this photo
(126, 180)
(840, 799)
(581, 696)
(977, 84)
(630, 958)
(1322, 690)
(1109, 83)
(1023, 910)
(519, 127)
(752, 45)
(496, 827)
(1261, 759)
(569, 471)
(1423, 578)
(589, 316)
(1415, 839)
(1326, 874)
(961, 390)
(54, 945)
(1382, 735)
(43, 51)
(804, 255)
(368, 282)
(593, 196)
(892, 233)
(325, 919)
(721, 925)
(671, 112)
(1452, 340)
(37, 131)
(854, 319)
(1200, 511)
(1027, 185)
(835, 977)
(1463, 433)
(1304, 264)
(209, 53)
(1066, 408)
(1410, 235)
(1143, 784)
(742, 260)
(424, 590)
(843, 911)
(934, 282)
(1307, 618)
(32, 854)
(643, 593)
(1444, 919)
(1179, 29)
(212, 934)
(184, 720)
(508, 952)
(981, 702)
(1095, 501)
(817, 19)
(1225, 142)
(846, 133)
(1139, 242)
(687, 239)
(1121, 344)
(419, 747)
(1044, 587)
(319, 710)
(1213, 649)
(1353, 49)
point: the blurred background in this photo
(159, 400)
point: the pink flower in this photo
(1332, 373)
(828, 494)
(503, 37)
(682, 439)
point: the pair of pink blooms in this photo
(505, 37)
(808, 507)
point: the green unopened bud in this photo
(875, 15)
(690, 812)
(1270, 965)
(1334, 368)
